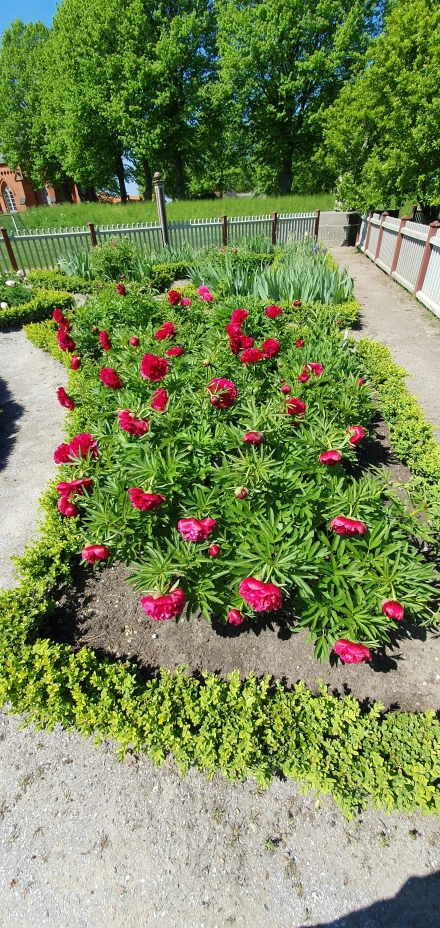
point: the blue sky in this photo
(30, 11)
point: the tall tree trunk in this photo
(148, 181)
(286, 175)
(180, 184)
(121, 178)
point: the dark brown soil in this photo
(101, 611)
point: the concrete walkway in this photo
(86, 842)
(31, 426)
(392, 316)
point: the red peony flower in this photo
(303, 377)
(130, 424)
(285, 388)
(330, 458)
(273, 311)
(66, 508)
(61, 454)
(299, 343)
(317, 369)
(104, 341)
(167, 330)
(65, 342)
(110, 378)
(64, 399)
(251, 356)
(352, 653)
(147, 502)
(235, 617)
(174, 297)
(344, 526)
(246, 341)
(93, 553)
(65, 326)
(233, 329)
(195, 530)
(75, 362)
(174, 352)
(262, 597)
(393, 610)
(223, 392)
(58, 315)
(270, 348)
(297, 302)
(253, 438)
(133, 340)
(214, 550)
(74, 487)
(82, 444)
(356, 433)
(159, 399)
(153, 367)
(238, 316)
(120, 288)
(295, 406)
(164, 607)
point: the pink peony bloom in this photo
(393, 610)
(185, 301)
(270, 348)
(159, 399)
(262, 597)
(303, 377)
(160, 608)
(61, 454)
(64, 399)
(174, 352)
(223, 392)
(66, 508)
(194, 530)
(74, 487)
(235, 617)
(104, 341)
(330, 458)
(251, 356)
(167, 330)
(110, 378)
(130, 424)
(205, 294)
(317, 369)
(344, 526)
(350, 652)
(147, 502)
(295, 406)
(356, 433)
(153, 367)
(253, 438)
(93, 553)
(273, 311)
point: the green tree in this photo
(383, 133)
(281, 63)
(81, 78)
(23, 135)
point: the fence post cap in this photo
(157, 177)
(435, 224)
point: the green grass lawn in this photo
(65, 214)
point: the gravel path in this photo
(86, 842)
(392, 316)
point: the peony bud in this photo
(206, 363)
(75, 362)
(241, 492)
(133, 340)
(214, 550)
(330, 458)
(235, 617)
(393, 610)
(285, 388)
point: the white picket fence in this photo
(42, 249)
(407, 251)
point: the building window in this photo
(8, 197)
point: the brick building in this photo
(17, 193)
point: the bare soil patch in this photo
(101, 611)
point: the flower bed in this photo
(218, 447)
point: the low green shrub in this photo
(163, 275)
(12, 290)
(40, 307)
(56, 280)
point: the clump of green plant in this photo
(205, 436)
(76, 264)
(13, 291)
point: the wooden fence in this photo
(30, 250)
(408, 251)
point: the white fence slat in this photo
(374, 235)
(429, 295)
(387, 245)
(410, 257)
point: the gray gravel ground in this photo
(392, 316)
(86, 842)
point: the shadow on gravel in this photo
(417, 905)
(10, 413)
